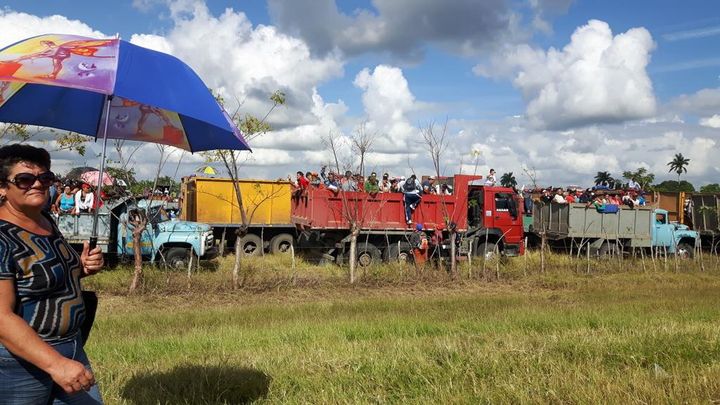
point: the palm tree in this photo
(508, 180)
(603, 178)
(678, 165)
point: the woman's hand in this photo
(92, 260)
(71, 376)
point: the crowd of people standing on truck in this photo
(411, 187)
(372, 184)
(600, 197)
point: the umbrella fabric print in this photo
(141, 122)
(63, 60)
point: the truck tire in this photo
(488, 249)
(280, 244)
(251, 245)
(684, 251)
(177, 258)
(609, 248)
(367, 255)
(403, 254)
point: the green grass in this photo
(305, 335)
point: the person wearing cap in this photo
(385, 183)
(428, 185)
(491, 180)
(348, 182)
(420, 244)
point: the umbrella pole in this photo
(94, 235)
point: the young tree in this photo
(531, 173)
(436, 144)
(251, 127)
(679, 165)
(508, 180)
(140, 220)
(64, 140)
(360, 144)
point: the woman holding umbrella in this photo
(41, 306)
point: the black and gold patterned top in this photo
(47, 273)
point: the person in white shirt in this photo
(491, 180)
(84, 199)
(559, 197)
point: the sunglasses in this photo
(25, 181)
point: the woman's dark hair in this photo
(11, 155)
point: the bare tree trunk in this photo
(525, 258)
(453, 254)
(543, 241)
(236, 265)
(137, 279)
(353, 251)
(222, 243)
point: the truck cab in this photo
(495, 220)
(163, 240)
(676, 238)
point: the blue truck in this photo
(165, 239)
(607, 233)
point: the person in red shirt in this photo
(302, 181)
(301, 184)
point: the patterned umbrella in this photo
(111, 89)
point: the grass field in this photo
(305, 335)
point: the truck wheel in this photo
(609, 249)
(684, 251)
(367, 255)
(251, 245)
(403, 254)
(488, 249)
(177, 258)
(281, 243)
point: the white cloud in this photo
(387, 100)
(712, 122)
(18, 26)
(246, 63)
(238, 58)
(596, 78)
(702, 102)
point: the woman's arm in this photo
(20, 339)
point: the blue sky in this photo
(497, 70)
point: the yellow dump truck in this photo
(267, 206)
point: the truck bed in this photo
(320, 208)
(560, 221)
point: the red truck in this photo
(485, 218)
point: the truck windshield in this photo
(157, 215)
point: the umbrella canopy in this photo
(76, 172)
(92, 177)
(65, 81)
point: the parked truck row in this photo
(317, 221)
